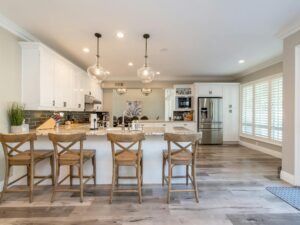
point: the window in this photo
(261, 116)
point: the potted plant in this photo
(16, 118)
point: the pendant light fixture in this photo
(97, 70)
(146, 73)
(146, 91)
(121, 91)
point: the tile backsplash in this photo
(36, 118)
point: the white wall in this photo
(10, 80)
(153, 105)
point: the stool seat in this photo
(182, 156)
(73, 156)
(25, 157)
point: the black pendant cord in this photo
(98, 36)
(146, 36)
(146, 52)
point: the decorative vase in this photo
(24, 128)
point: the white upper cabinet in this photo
(209, 89)
(50, 82)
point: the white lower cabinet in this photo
(50, 82)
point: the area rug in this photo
(290, 195)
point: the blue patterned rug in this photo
(290, 195)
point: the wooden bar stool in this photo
(13, 156)
(126, 156)
(65, 156)
(181, 155)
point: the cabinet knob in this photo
(210, 92)
(53, 103)
(65, 104)
(79, 105)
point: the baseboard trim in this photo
(287, 177)
(261, 149)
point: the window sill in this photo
(262, 140)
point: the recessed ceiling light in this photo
(120, 35)
(130, 64)
(86, 50)
(157, 73)
(107, 72)
(241, 61)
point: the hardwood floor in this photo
(231, 183)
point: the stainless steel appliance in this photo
(210, 120)
(183, 103)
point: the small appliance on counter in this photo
(93, 121)
(103, 119)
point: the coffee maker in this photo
(93, 121)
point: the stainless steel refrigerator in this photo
(210, 119)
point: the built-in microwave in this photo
(183, 103)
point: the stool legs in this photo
(195, 182)
(163, 171)
(139, 183)
(71, 175)
(5, 184)
(94, 170)
(113, 183)
(169, 183)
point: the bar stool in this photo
(181, 155)
(126, 156)
(13, 156)
(65, 156)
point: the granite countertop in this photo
(165, 121)
(84, 128)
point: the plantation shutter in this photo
(276, 109)
(247, 110)
(261, 109)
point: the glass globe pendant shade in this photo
(98, 72)
(146, 74)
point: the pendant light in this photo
(146, 73)
(146, 91)
(97, 70)
(121, 91)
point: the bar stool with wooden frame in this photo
(14, 156)
(126, 156)
(65, 156)
(181, 155)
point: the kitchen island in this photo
(152, 146)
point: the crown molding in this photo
(260, 66)
(13, 28)
(289, 30)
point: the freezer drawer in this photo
(211, 136)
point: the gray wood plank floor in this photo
(231, 182)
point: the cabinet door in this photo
(46, 79)
(231, 113)
(210, 90)
(59, 74)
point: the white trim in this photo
(289, 30)
(297, 117)
(261, 149)
(265, 140)
(9, 25)
(287, 177)
(277, 75)
(260, 66)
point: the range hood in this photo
(91, 104)
(89, 99)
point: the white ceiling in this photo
(202, 37)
